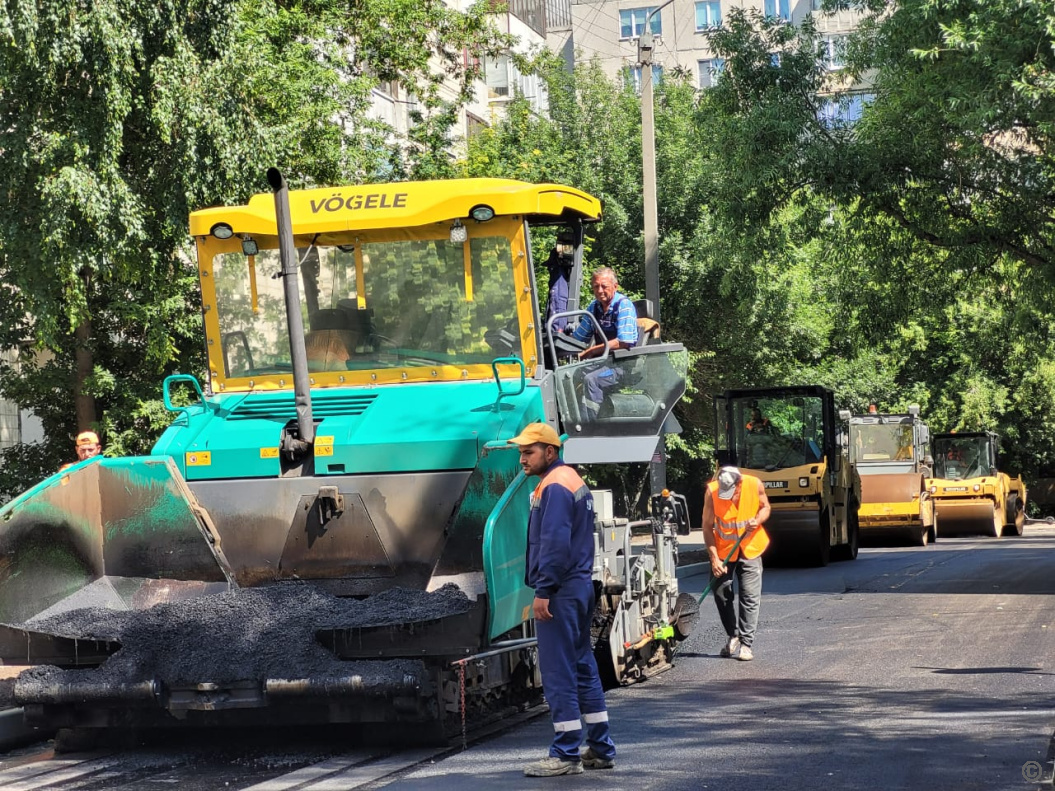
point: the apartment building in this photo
(608, 30)
(526, 21)
(17, 425)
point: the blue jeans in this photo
(594, 385)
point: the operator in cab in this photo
(617, 317)
(758, 424)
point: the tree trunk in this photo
(84, 405)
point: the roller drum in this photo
(972, 517)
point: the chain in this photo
(461, 684)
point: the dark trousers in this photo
(740, 621)
(569, 674)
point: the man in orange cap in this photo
(87, 445)
(560, 556)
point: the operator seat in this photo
(647, 326)
(331, 342)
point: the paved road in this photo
(929, 668)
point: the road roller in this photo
(795, 442)
(891, 454)
(971, 495)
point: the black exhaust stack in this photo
(293, 446)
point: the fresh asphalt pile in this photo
(241, 635)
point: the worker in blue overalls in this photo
(560, 568)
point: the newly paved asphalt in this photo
(922, 668)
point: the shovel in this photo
(736, 546)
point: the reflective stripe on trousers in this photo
(569, 674)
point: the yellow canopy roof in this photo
(400, 205)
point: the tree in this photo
(894, 259)
(939, 198)
(119, 118)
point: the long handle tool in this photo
(714, 579)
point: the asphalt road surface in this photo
(922, 668)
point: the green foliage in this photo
(906, 259)
(902, 260)
(117, 119)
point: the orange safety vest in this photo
(730, 521)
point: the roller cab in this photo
(793, 441)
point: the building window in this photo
(709, 71)
(708, 15)
(634, 76)
(835, 52)
(474, 125)
(843, 111)
(778, 8)
(816, 5)
(632, 22)
(496, 77)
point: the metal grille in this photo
(284, 408)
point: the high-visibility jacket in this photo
(730, 521)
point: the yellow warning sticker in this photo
(199, 458)
(324, 446)
(269, 453)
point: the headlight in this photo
(222, 230)
(977, 487)
(804, 482)
(933, 489)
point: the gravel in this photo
(241, 635)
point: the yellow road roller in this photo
(890, 452)
(971, 496)
(794, 441)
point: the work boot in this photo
(551, 767)
(732, 648)
(745, 654)
(592, 760)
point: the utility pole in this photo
(645, 44)
(645, 47)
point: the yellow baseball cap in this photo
(537, 432)
(86, 438)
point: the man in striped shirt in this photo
(617, 318)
